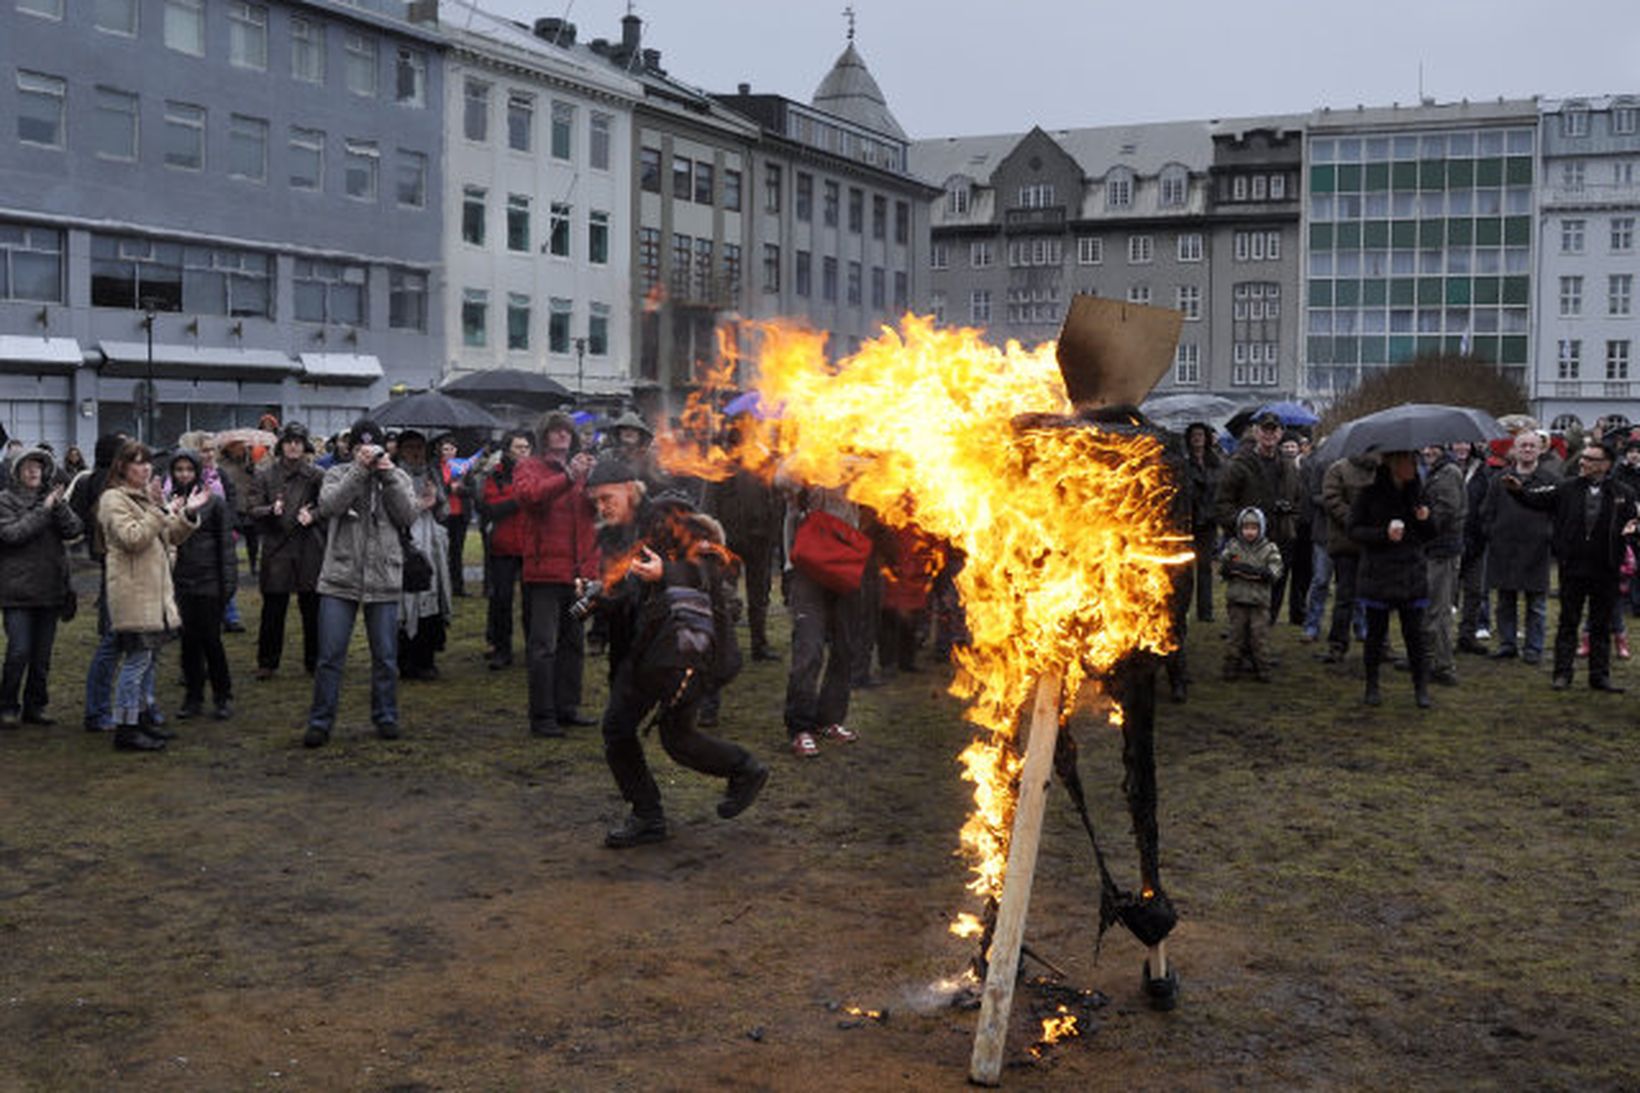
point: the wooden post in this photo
(985, 1068)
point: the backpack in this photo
(690, 644)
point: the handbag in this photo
(417, 570)
(831, 553)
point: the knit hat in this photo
(609, 471)
(366, 431)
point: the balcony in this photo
(1591, 195)
(1594, 390)
(1049, 219)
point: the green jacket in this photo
(364, 511)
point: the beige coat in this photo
(139, 535)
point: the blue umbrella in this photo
(1290, 413)
(749, 403)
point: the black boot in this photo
(151, 726)
(1420, 691)
(744, 786)
(133, 738)
(636, 831)
(1372, 697)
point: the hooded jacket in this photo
(1240, 560)
(33, 562)
(205, 562)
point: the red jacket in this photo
(452, 487)
(560, 543)
(500, 505)
(910, 578)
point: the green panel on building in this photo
(1488, 290)
(1377, 176)
(1404, 176)
(1460, 230)
(1320, 351)
(1348, 235)
(1404, 234)
(1485, 348)
(1457, 291)
(1429, 291)
(1321, 294)
(1517, 290)
(1402, 291)
(1431, 233)
(1518, 171)
(1460, 174)
(1375, 234)
(1373, 350)
(1322, 180)
(1429, 347)
(1432, 174)
(1349, 178)
(1321, 236)
(1513, 350)
(1401, 348)
(1489, 172)
(1488, 231)
(1517, 231)
(1345, 350)
(1375, 293)
(1347, 293)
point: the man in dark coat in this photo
(1392, 523)
(284, 502)
(35, 522)
(1202, 466)
(1472, 606)
(1341, 484)
(1259, 476)
(1448, 508)
(1517, 554)
(1593, 518)
(750, 511)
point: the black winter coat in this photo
(1517, 537)
(1391, 573)
(1269, 485)
(292, 555)
(1583, 549)
(33, 562)
(205, 561)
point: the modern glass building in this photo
(1419, 226)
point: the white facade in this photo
(1589, 265)
(538, 188)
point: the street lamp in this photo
(580, 368)
(150, 305)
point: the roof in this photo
(850, 92)
(1425, 114)
(471, 26)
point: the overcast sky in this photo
(966, 67)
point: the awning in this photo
(195, 361)
(356, 368)
(22, 353)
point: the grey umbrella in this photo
(1408, 428)
(433, 410)
(513, 386)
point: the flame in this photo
(1055, 1029)
(1065, 529)
(967, 925)
(870, 1015)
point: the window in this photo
(410, 77)
(307, 50)
(771, 268)
(558, 325)
(31, 263)
(1238, 188)
(248, 148)
(1622, 234)
(1261, 187)
(472, 215)
(879, 287)
(683, 178)
(1571, 237)
(114, 125)
(1278, 187)
(1574, 122)
(1138, 294)
(518, 222)
(1623, 119)
(803, 274)
(731, 190)
(771, 187)
(1140, 249)
(1038, 195)
(831, 197)
(307, 158)
(247, 35)
(563, 130)
(902, 291)
(1571, 296)
(804, 209)
(703, 269)
(558, 237)
(1175, 183)
(600, 132)
(598, 238)
(939, 256)
(49, 9)
(1039, 251)
(979, 305)
(1090, 250)
(683, 250)
(936, 305)
(731, 270)
(1620, 294)
(329, 292)
(879, 216)
(184, 138)
(360, 163)
(1572, 174)
(518, 321)
(828, 279)
(406, 300)
(1187, 364)
(855, 287)
(475, 309)
(475, 117)
(115, 16)
(856, 210)
(205, 280)
(184, 25)
(1190, 247)
(1617, 360)
(649, 257)
(956, 199)
(411, 184)
(598, 330)
(704, 182)
(1119, 190)
(1257, 246)
(649, 170)
(1188, 299)
(359, 67)
(40, 109)
(1569, 359)
(979, 254)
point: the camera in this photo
(582, 607)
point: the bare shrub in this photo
(1443, 380)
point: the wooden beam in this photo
(990, 1037)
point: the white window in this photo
(115, 16)
(602, 126)
(1175, 182)
(307, 159)
(359, 63)
(1260, 187)
(1571, 237)
(558, 229)
(979, 254)
(307, 50)
(1622, 234)
(1569, 359)
(956, 199)
(475, 118)
(1036, 196)
(114, 125)
(1238, 355)
(1238, 188)
(1278, 187)
(412, 180)
(520, 121)
(184, 138)
(1190, 247)
(1617, 360)
(979, 306)
(361, 161)
(939, 256)
(1575, 122)
(185, 26)
(406, 300)
(936, 304)
(47, 9)
(247, 35)
(1141, 249)
(1272, 246)
(247, 148)
(563, 130)
(1623, 118)
(518, 321)
(1620, 294)
(1090, 250)
(518, 222)
(1188, 299)
(1572, 174)
(1118, 190)
(475, 307)
(1571, 296)
(598, 237)
(1187, 364)
(1138, 294)
(410, 77)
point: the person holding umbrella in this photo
(1390, 520)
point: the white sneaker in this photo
(1483, 634)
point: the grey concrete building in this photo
(250, 187)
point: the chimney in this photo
(745, 89)
(652, 62)
(560, 32)
(631, 33)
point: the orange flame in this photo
(1057, 1028)
(1065, 530)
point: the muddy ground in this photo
(1383, 900)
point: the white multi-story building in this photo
(1588, 209)
(538, 195)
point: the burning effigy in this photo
(1059, 501)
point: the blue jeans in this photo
(99, 674)
(130, 691)
(30, 633)
(1537, 622)
(1320, 577)
(381, 627)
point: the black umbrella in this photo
(510, 385)
(1409, 428)
(433, 410)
